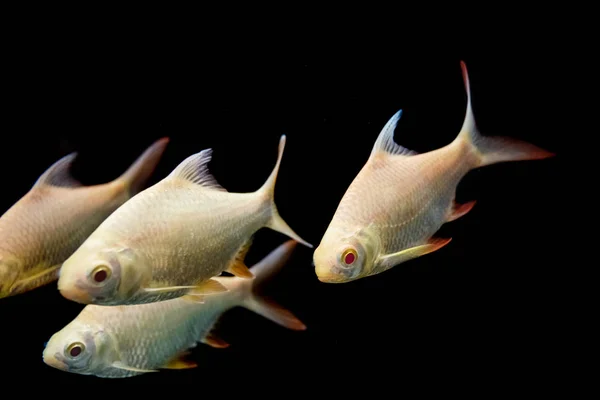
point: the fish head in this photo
(343, 257)
(9, 273)
(106, 276)
(80, 348)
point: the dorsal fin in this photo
(385, 141)
(194, 169)
(59, 174)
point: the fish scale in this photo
(52, 220)
(180, 232)
(129, 340)
(400, 199)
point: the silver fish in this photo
(171, 238)
(399, 200)
(125, 341)
(52, 220)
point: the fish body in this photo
(45, 226)
(400, 199)
(125, 341)
(171, 238)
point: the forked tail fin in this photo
(268, 189)
(494, 149)
(140, 171)
(263, 271)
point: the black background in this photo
(485, 306)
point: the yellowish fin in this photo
(120, 365)
(181, 362)
(211, 286)
(33, 282)
(386, 262)
(214, 341)
(238, 267)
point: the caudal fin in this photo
(268, 189)
(494, 149)
(138, 173)
(262, 271)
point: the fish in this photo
(172, 238)
(392, 210)
(131, 340)
(44, 227)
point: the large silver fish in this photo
(51, 221)
(400, 199)
(171, 238)
(124, 341)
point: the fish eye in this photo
(349, 256)
(100, 273)
(75, 349)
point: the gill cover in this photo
(112, 274)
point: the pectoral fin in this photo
(211, 286)
(180, 362)
(120, 365)
(458, 210)
(42, 278)
(388, 261)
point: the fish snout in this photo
(74, 293)
(53, 360)
(327, 273)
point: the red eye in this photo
(349, 256)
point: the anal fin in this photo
(180, 361)
(240, 270)
(238, 267)
(458, 210)
(214, 341)
(390, 260)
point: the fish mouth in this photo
(54, 361)
(73, 293)
(327, 275)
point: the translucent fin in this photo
(59, 174)
(238, 266)
(211, 286)
(274, 312)
(181, 362)
(120, 365)
(142, 168)
(459, 210)
(195, 169)
(268, 190)
(35, 281)
(239, 269)
(263, 306)
(385, 141)
(388, 261)
(494, 149)
(213, 340)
